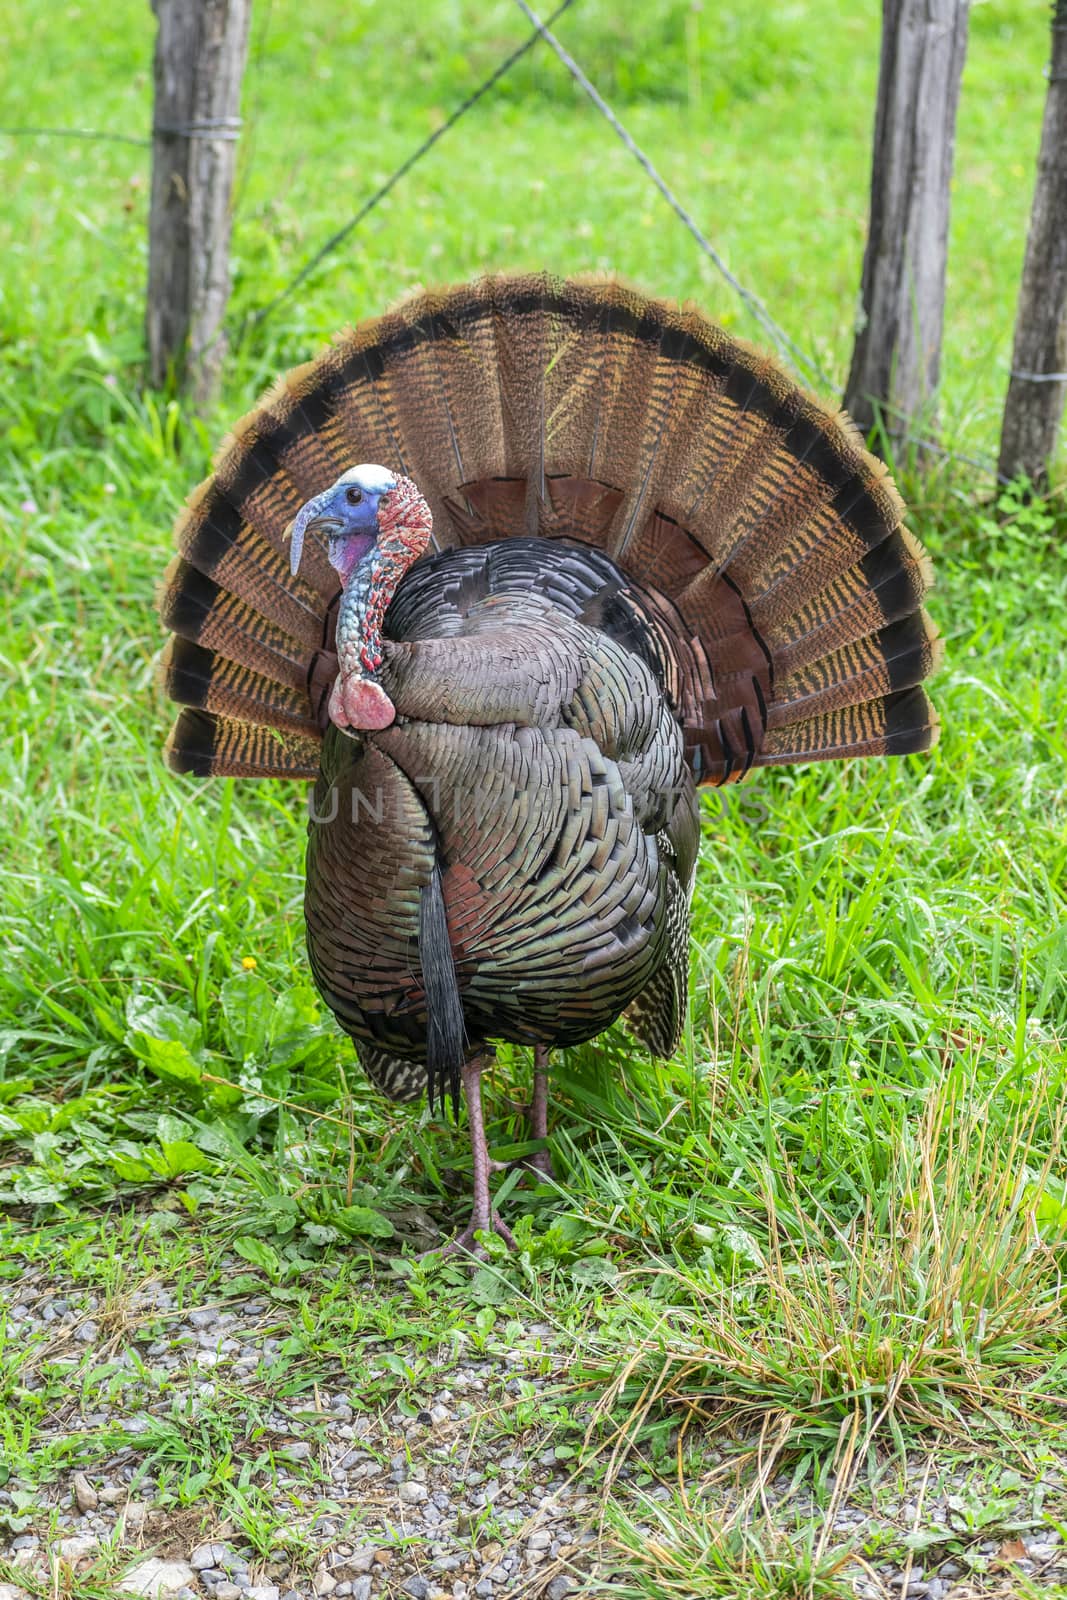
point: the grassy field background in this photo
(830, 1236)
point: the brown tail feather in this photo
(193, 676)
(899, 657)
(201, 610)
(211, 746)
(897, 725)
(768, 541)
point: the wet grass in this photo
(832, 1230)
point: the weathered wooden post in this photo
(897, 354)
(200, 55)
(1037, 388)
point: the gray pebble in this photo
(210, 1555)
(203, 1317)
(361, 1589)
(261, 1591)
(85, 1496)
(560, 1587)
(297, 1452)
(362, 1558)
(413, 1493)
(416, 1586)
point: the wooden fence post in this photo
(200, 55)
(897, 354)
(1033, 409)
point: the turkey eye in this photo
(353, 496)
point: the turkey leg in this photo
(542, 1161)
(483, 1217)
(536, 1115)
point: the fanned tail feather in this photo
(764, 542)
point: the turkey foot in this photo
(483, 1218)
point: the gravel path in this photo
(429, 1497)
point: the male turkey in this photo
(604, 553)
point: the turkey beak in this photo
(311, 515)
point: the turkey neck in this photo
(405, 532)
(359, 619)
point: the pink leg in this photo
(483, 1218)
(542, 1161)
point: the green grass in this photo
(832, 1230)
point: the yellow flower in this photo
(249, 963)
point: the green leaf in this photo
(224, 1137)
(169, 1128)
(179, 1155)
(29, 1188)
(594, 1270)
(316, 1233)
(489, 1288)
(363, 1222)
(147, 1018)
(296, 1026)
(1048, 1202)
(740, 1247)
(263, 1088)
(247, 1005)
(166, 1039)
(130, 1168)
(259, 1253)
(169, 1058)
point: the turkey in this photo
(506, 574)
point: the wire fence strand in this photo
(100, 135)
(798, 358)
(806, 365)
(257, 318)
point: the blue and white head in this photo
(347, 513)
(376, 525)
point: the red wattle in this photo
(361, 704)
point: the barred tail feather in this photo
(211, 746)
(765, 542)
